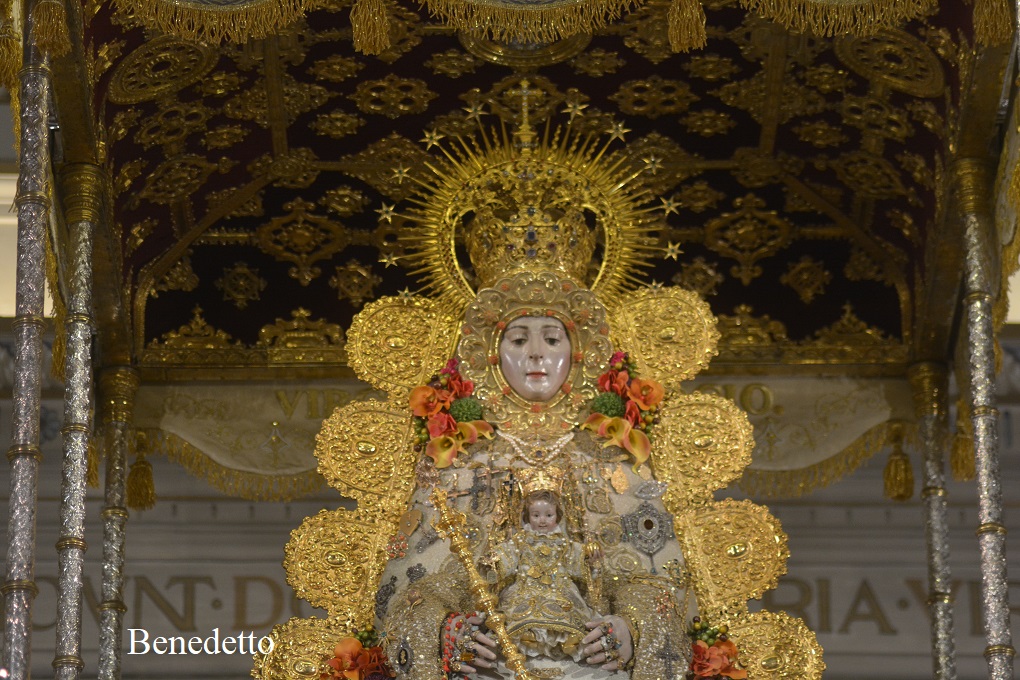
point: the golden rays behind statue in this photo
(536, 502)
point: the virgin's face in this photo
(534, 356)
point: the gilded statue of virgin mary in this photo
(534, 498)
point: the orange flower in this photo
(620, 433)
(647, 393)
(444, 449)
(440, 424)
(427, 401)
(718, 659)
(345, 659)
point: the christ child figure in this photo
(539, 570)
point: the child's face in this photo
(542, 515)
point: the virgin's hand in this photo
(476, 649)
(608, 645)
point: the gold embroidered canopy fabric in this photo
(215, 21)
(836, 17)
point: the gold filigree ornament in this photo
(670, 333)
(776, 646)
(736, 551)
(301, 649)
(397, 343)
(334, 561)
(365, 453)
(702, 443)
(159, 67)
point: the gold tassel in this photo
(371, 26)
(899, 474)
(92, 468)
(993, 21)
(49, 28)
(961, 455)
(141, 491)
(687, 25)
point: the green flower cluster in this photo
(466, 409)
(609, 404)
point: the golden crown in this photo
(540, 232)
(535, 203)
(533, 480)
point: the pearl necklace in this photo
(538, 455)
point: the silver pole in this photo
(33, 204)
(117, 387)
(929, 380)
(82, 203)
(980, 338)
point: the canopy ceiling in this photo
(801, 178)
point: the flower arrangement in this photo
(447, 416)
(714, 656)
(625, 409)
(359, 657)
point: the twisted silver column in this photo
(978, 244)
(117, 387)
(930, 384)
(33, 203)
(81, 200)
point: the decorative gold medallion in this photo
(397, 343)
(775, 646)
(670, 333)
(703, 443)
(334, 561)
(301, 649)
(736, 550)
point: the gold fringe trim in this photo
(993, 21)
(59, 352)
(248, 485)
(774, 484)
(92, 464)
(10, 59)
(16, 116)
(10, 50)
(141, 490)
(512, 23)
(831, 18)
(49, 28)
(687, 25)
(371, 26)
(246, 21)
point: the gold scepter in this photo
(451, 525)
